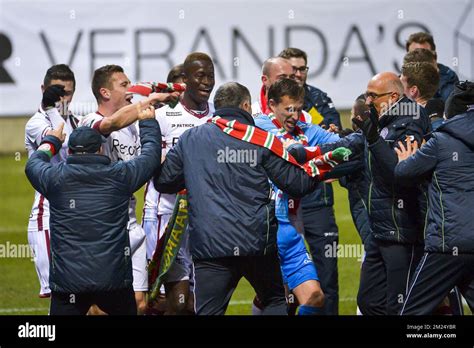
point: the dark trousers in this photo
(216, 279)
(320, 230)
(385, 275)
(119, 302)
(435, 276)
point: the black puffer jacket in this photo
(89, 198)
(394, 210)
(449, 157)
(231, 212)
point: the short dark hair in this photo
(423, 75)
(421, 38)
(59, 72)
(102, 77)
(292, 52)
(287, 87)
(420, 55)
(192, 57)
(231, 95)
(175, 73)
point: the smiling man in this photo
(285, 100)
(192, 110)
(116, 118)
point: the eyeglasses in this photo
(301, 69)
(375, 95)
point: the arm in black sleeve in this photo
(354, 142)
(171, 178)
(417, 165)
(38, 168)
(142, 168)
(288, 177)
(354, 165)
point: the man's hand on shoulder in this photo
(58, 133)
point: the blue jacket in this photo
(318, 104)
(231, 212)
(394, 210)
(89, 198)
(357, 185)
(449, 157)
(447, 80)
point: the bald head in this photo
(274, 69)
(383, 90)
(388, 81)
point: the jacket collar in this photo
(235, 114)
(88, 159)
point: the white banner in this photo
(347, 41)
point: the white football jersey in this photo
(35, 130)
(173, 122)
(121, 145)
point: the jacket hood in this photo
(88, 158)
(460, 127)
(235, 114)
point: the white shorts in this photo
(139, 261)
(182, 265)
(40, 246)
(151, 231)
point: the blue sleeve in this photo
(142, 168)
(418, 164)
(316, 135)
(39, 170)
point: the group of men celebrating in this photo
(250, 217)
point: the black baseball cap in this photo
(85, 139)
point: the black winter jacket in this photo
(89, 198)
(449, 157)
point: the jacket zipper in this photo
(442, 209)
(371, 183)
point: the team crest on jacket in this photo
(384, 132)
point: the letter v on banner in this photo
(49, 51)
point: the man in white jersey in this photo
(192, 110)
(58, 89)
(109, 85)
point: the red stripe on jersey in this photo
(197, 114)
(40, 213)
(48, 245)
(144, 200)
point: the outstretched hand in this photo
(403, 153)
(58, 133)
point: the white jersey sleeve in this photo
(173, 122)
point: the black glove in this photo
(51, 95)
(369, 124)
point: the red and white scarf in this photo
(317, 167)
